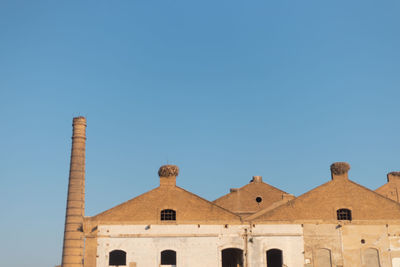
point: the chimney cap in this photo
(168, 171)
(340, 168)
(256, 179)
(79, 120)
(392, 175)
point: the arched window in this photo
(274, 258)
(168, 257)
(322, 258)
(232, 257)
(117, 258)
(344, 214)
(168, 215)
(371, 258)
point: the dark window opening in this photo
(117, 258)
(274, 258)
(258, 199)
(344, 214)
(168, 257)
(232, 257)
(168, 215)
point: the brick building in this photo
(339, 223)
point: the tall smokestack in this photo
(73, 233)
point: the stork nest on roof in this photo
(339, 168)
(168, 170)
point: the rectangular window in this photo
(344, 214)
(168, 215)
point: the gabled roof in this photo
(322, 202)
(392, 188)
(146, 208)
(243, 201)
(390, 191)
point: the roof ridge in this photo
(209, 202)
(376, 193)
(293, 201)
(125, 202)
(250, 184)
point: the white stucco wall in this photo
(199, 246)
(288, 238)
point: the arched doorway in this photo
(274, 258)
(232, 257)
(117, 258)
(322, 258)
(168, 257)
(371, 258)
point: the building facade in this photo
(339, 223)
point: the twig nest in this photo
(168, 170)
(394, 174)
(339, 168)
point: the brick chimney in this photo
(256, 179)
(73, 232)
(393, 177)
(168, 175)
(339, 170)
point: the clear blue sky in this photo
(224, 89)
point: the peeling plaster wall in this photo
(199, 246)
(288, 238)
(347, 243)
(394, 244)
(326, 236)
(194, 245)
(375, 236)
